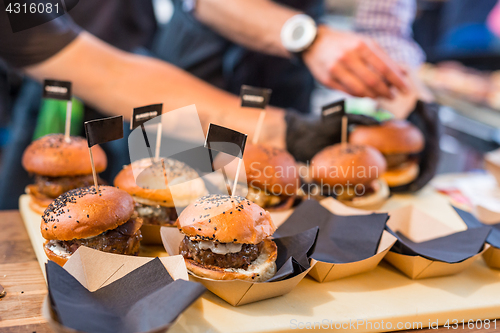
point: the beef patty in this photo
(395, 160)
(52, 187)
(249, 252)
(123, 240)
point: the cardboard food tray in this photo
(382, 294)
(420, 227)
(111, 267)
(235, 292)
(325, 271)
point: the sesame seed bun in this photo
(153, 189)
(267, 168)
(261, 269)
(391, 137)
(347, 164)
(52, 156)
(226, 219)
(83, 213)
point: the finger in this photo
(369, 77)
(351, 82)
(326, 80)
(383, 65)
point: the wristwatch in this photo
(298, 34)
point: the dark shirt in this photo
(34, 45)
(126, 24)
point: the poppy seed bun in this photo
(226, 219)
(60, 260)
(341, 164)
(52, 156)
(154, 190)
(266, 168)
(401, 175)
(82, 213)
(391, 137)
(261, 269)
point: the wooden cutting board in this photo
(382, 295)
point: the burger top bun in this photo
(83, 213)
(151, 187)
(391, 137)
(226, 219)
(52, 156)
(268, 168)
(347, 163)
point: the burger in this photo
(351, 173)
(400, 142)
(59, 166)
(227, 238)
(271, 175)
(160, 190)
(101, 220)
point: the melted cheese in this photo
(58, 250)
(219, 248)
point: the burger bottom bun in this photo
(371, 201)
(285, 204)
(401, 175)
(38, 204)
(54, 257)
(261, 269)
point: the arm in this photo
(115, 82)
(255, 24)
(337, 59)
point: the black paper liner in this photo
(452, 248)
(294, 253)
(472, 222)
(341, 239)
(146, 299)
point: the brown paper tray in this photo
(95, 269)
(419, 227)
(235, 292)
(326, 272)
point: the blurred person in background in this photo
(251, 52)
(241, 42)
(493, 20)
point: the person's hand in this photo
(354, 64)
(306, 135)
(403, 104)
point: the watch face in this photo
(298, 33)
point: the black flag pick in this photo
(101, 131)
(60, 90)
(254, 97)
(227, 141)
